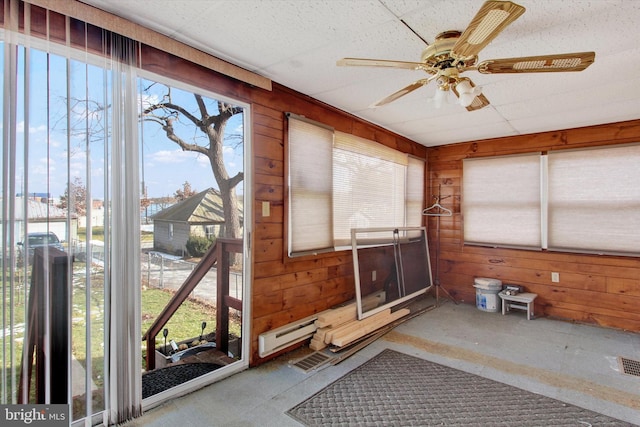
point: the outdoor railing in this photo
(218, 253)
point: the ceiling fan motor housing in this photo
(438, 54)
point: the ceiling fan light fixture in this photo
(466, 92)
(440, 97)
(466, 99)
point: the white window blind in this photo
(310, 185)
(415, 191)
(594, 200)
(501, 201)
(369, 186)
(338, 181)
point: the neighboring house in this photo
(97, 214)
(199, 215)
(45, 217)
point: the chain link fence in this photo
(163, 271)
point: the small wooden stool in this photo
(522, 301)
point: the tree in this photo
(207, 124)
(74, 197)
(184, 193)
(212, 125)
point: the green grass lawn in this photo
(97, 233)
(185, 324)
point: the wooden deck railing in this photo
(218, 253)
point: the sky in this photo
(165, 167)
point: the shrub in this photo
(198, 245)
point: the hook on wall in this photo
(437, 209)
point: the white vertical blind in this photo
(125, 397)
(36, 114)
(369, 186)
(310, 148)
(501, 201)
(594, 200)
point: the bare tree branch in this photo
(167, 113)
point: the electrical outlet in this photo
(555, 277)
(373, 275)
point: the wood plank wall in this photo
(603, 290)
(283, 289)
(288, 289)
(595, 289)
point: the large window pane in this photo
(415, 191)
(369, 186)
(594, 200)
(338, 181)
(57, 163)
(309, 153)
(501, 204)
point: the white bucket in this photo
(487, 298)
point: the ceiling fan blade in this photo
(539, 64)
(363, 62)
(490, 20)
(471, 99)
(402, 92)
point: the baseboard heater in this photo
(287, 335)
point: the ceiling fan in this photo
(454, 52)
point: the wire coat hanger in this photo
(437, 209)
(441, 210)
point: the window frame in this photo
(607, 164)
(488, 174)
(333, 243)
(588, 189)
(118, 264)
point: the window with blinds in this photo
(501, 201)
(585, 200)
(415, 191)
(594, 200)
(338, 181)
(368, 186)
(310, 186)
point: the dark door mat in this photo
(159, 380)
(395, 389)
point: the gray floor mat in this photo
(162, 379)
(395, 389)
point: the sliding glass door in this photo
(192, 200)
(115, 185)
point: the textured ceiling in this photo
(296, 43)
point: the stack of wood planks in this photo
(340, 327)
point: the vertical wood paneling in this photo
(287, 289)
(283, 289)
(604, 290)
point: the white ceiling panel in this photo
(577, 118)
(441, 136)
(296, 43)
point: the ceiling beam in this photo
(108, 21)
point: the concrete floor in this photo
(577, 364)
